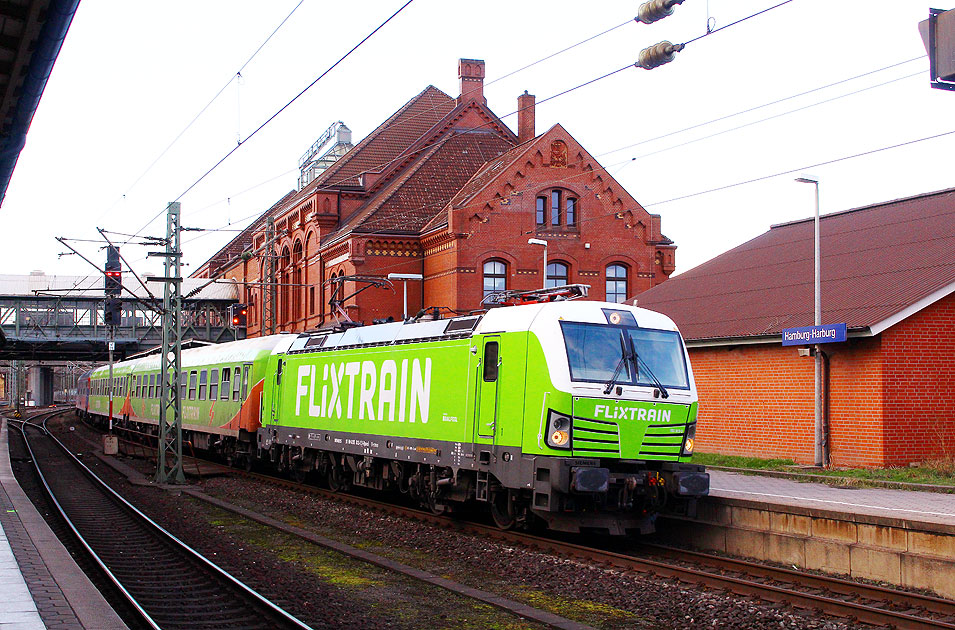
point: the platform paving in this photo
(40, 584)
(925, 507)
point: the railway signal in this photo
(113, 271)
(238, 315)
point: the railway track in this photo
(170, 585)
(864, 603)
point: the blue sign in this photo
(809, 335)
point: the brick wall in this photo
(919, 385)
(892, 397)
(757, 400)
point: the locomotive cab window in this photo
(600, 353)
(490, 361)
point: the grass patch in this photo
(939, 472)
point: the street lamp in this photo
(540, 241)
(817, 321)
(404, 277)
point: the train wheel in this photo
(502, 509)
(336, 480)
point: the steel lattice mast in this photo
(169, 462)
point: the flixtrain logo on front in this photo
(365, 390)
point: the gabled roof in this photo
(389, 140)
(424, 189)
(880, 263)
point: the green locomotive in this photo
(577, 414)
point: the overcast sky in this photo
(132, 75)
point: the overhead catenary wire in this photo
(280, 111)
(763, 106)
(202, 111)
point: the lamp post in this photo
(404, 277)
(817, 321)
(540, 241)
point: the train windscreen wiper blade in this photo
(624, 360)
(646, 368)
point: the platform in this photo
(901, 537)
(914, 506)
(41, 584)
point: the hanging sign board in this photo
(810, 335)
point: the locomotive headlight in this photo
(559, 439)
(558, 430)
(689, 440)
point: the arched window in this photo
(495, 276)
(557, 275)
(571, 211)
(541, 205)
(616, 283)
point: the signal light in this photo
(654, 10)
(238, 315)
(657, 55)
(113, 274)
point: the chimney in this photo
(525, 117)
(471, 74)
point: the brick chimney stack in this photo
(525, 117)
(471, 74)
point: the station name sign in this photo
(830, 333)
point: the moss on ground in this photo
(406, 600)
(582, 610)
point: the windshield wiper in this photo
(646, 368)
(624, 360)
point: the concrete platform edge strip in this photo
(868, 519)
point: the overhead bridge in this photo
(62, 317)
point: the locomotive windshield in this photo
(595, 352)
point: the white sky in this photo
(131, 75)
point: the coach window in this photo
(557, 275)
(149, 386)
(139, 387)
(236, 383)
(495, 276)
(541, 206)
(193, 381)
(226, 387)
(245, 381)
(182, 385)
(203, 379)
(213, 384)
(616, 283)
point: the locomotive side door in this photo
(487, 375)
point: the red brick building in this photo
(888, 272)
(443, 188)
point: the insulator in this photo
(657, 55)
(654, 10)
